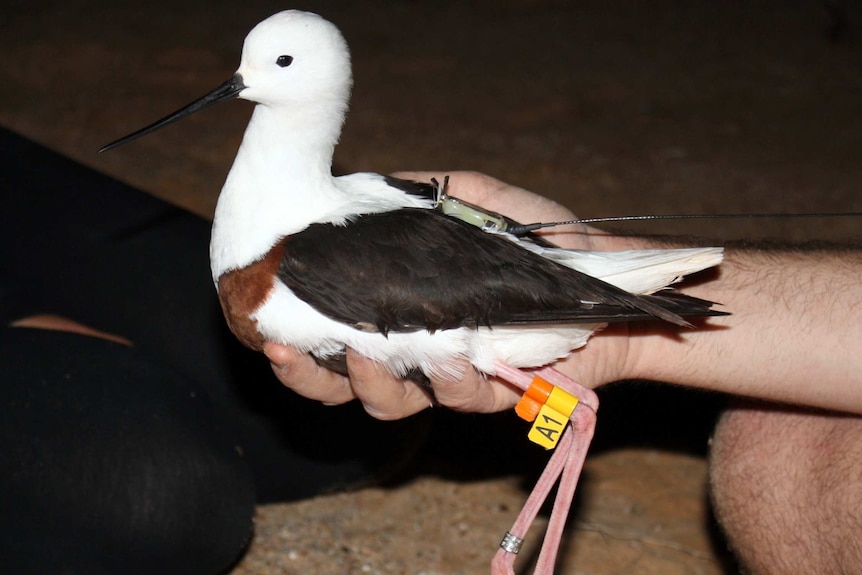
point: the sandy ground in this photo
(610, 108)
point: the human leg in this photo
(112, 464)
(787, 488)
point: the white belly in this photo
(286, 319)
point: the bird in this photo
(398, 270)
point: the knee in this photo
(786, 487)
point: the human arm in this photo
(793, 336)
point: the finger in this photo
(475, 393)
(299, 372)
(383, 395)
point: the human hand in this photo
(387, 397)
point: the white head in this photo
(293, 59)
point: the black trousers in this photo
(143, 459)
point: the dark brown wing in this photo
(414, 269)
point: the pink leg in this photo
(586, 396)
(567, 459)
(504, 560)
(582, 428)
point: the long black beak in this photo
(227, 91)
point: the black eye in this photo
(284, 61)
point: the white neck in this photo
(280, 182)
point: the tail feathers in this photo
(675, 306)
(667, 305)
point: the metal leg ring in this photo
(511, 543)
